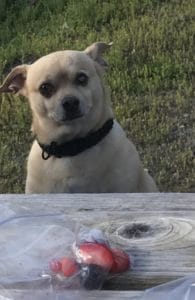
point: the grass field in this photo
(151, 76)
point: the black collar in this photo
(76, 146)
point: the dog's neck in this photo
(77, 145)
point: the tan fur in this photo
(113, 165)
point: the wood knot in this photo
(141, 232)
(152, 232)
(136, 230)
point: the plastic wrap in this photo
(32, 247)
(28, 243)
(52, 255)
(181, 289)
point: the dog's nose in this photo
(70, 103)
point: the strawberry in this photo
(97, 254)
(55, 265)
(69, 266)
(122, 261)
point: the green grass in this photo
(151, 76)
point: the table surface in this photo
(158, 230)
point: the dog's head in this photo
(65, 91)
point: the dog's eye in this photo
(81, 79)
(46, 89)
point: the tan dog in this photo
(78, 146)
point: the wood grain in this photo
(158, 230)
(69, 295)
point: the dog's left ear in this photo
(96, 50)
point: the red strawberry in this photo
(122, 261)
(69, 266)
(55, 265)
(96, 254)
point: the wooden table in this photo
(158, 230)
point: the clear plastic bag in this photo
(52, 255)
(46, 294)
(181, 289)
(27, 245)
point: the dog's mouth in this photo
(73, 116)
(66, 119)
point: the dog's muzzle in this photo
(71, 106)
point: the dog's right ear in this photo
(15, 81)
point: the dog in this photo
(79, 147)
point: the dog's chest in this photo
(100, 169)
(66, 177)
(71, 176)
